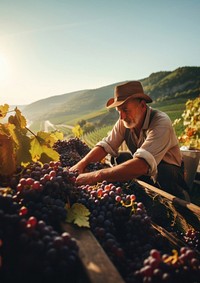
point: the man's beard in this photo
(129, 124)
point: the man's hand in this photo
(90, 178)
(95, 155)
(78, 167)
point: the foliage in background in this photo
(77, 131)
(190, 120)
(92, 138)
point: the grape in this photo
(191, 238)
(120, 224)
(72, 151)
(31, 250)
(170, 268)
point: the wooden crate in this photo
(97, 267)
(173, 199)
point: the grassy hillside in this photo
(169, 90)
(183, 82)
(44, 107)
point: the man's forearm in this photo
(123, 172)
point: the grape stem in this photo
(30, 131)
(172, 259)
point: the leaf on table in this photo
(79, 215)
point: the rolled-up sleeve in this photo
(159, 144)
(112, 142)
(160, 139)
(144, 154)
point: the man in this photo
(150, 137)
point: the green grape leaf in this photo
(3, 110)
(79, 215)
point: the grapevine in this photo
(19, 145)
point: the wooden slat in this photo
(175, 200)
(96, 263)
(176, 242)
(170, 237)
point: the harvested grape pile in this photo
(33, 247)
(122, 226)
(73, 150)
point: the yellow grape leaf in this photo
(46, 138)
(21, 142)
(7, 129)
(23, 154)
(79, 215)
(57, 135)
(3, 110)
(6, 191)
(41, 152)
(49, 154)
(7, 156)
(35, 149)
(41, 148)
(18, 119)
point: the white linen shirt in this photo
(157, 141)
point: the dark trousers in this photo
(170, 177)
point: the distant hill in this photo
(164, 87)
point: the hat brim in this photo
(112, 103)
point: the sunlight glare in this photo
(2, 68)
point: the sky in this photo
(52, 47)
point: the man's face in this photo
(131, 113)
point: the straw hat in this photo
(123, 92)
